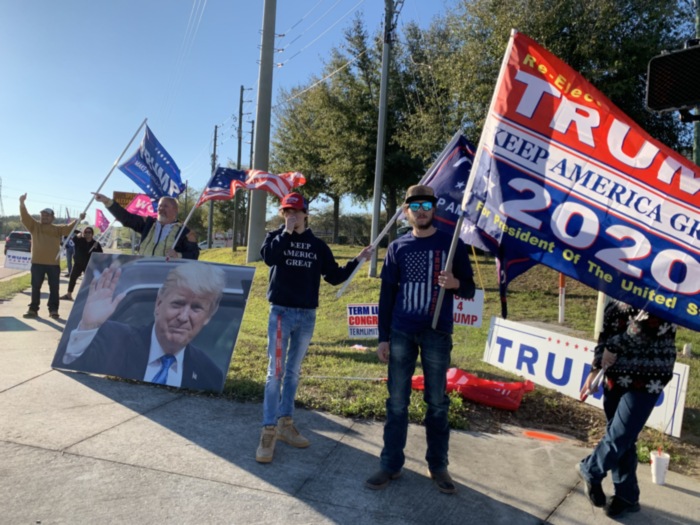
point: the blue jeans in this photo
(53, 272)
(626, 411)
(69, 259)
(435, 348)
(289, 332)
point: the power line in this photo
(296, 95)
(354, 8)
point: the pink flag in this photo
(142, 205)
(101, 221)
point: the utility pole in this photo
(211, 203)
(247, 215)
(381, 129)
(236, 199)
(258, 198)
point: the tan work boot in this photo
(287, 432)
(266, 449)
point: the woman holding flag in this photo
(85, 244)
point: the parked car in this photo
(18, 241)
(215, 243)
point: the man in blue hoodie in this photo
(297, 260)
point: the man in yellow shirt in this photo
(46, 244)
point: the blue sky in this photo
(79, 77)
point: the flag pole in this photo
(116, 163)
(189, 215)
(424, 180)
(374, 245)
(448, 267)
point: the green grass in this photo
(11, 287)
(532, 297)
(331, 362)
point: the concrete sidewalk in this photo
(84, 449)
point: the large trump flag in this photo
(563, 178)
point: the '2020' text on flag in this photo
(448, 177)
(226, 181)
(153, 169)
(562, 177)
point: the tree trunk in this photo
(336, 218)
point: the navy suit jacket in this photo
(121, 350)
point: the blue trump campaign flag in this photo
(221, 187)
(448, 177)
(153, 169)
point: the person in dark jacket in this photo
(84, 245)
(637, 352)
(157, 235)
(297, 260)
(412, 277)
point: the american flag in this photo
(220, 187)
(278, 185)
(421, 282)
(226, 181)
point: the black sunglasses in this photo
(415, 206)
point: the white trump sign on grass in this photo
(562, 363)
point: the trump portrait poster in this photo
(168, 322)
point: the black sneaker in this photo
(31, 314)
(381, 479)
(54, 315)
(617, 507)
(594, 491)
(443, 481)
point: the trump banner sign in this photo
(562, 177)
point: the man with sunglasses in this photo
(412, 276)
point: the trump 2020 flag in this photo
(153, 169)
(101, 221)
(448, 177)
(562, 177)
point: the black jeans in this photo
(77, 271)
(53, 272)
